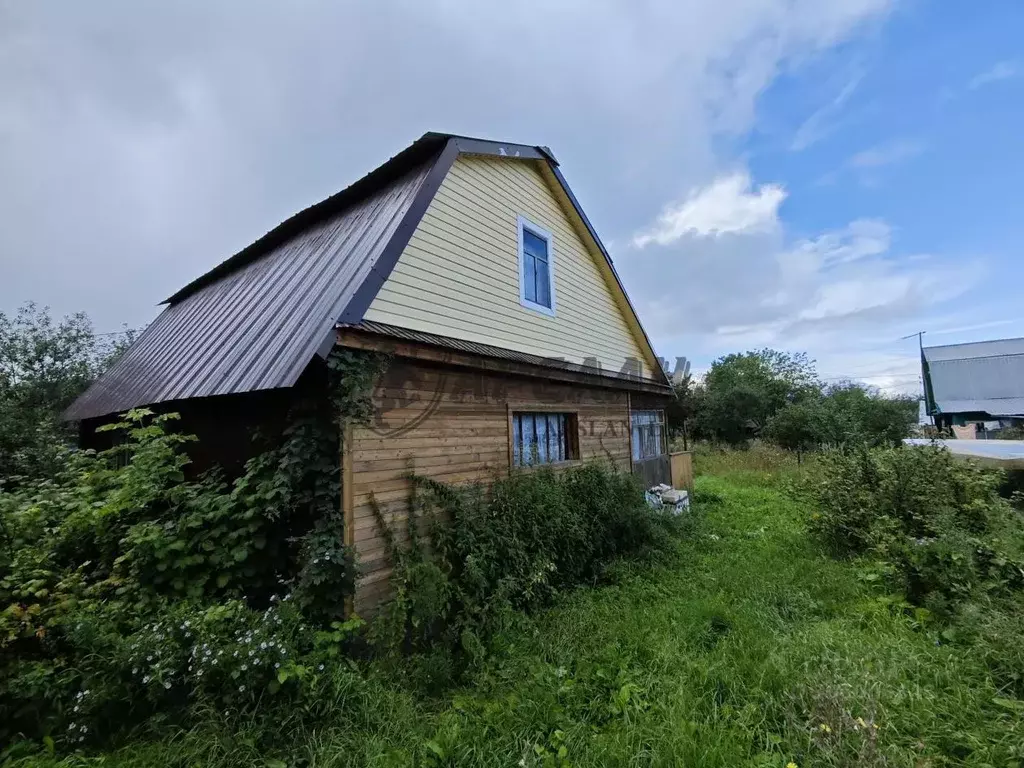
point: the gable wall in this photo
(459, 275)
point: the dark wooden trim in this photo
(348, 500)
(381, 271)
(629, 426)
(357, 339)
(572, 424)
(607, 257)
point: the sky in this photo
(820, 177)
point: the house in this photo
(472, 263)
(975, 387)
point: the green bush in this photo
(511, 548)
(127, 590)
(936, 523)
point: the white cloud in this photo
(729, 205)
(886, 154)
(1003, 70)
(859, 239)
(823, 121)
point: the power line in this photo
(121, 333)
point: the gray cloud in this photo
(141, 145)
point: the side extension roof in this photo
(256, 320)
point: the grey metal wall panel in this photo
(258, 327)
(974, 349)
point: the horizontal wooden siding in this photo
(453, 426)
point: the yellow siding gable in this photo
(459, 274)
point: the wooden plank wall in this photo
(452, 425)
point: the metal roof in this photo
(980, 377)
(1008, 453)
(974, 349)
(256, 320)
(259, 326)
(999, 406)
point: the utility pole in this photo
(924, 374)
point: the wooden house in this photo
(472, 263)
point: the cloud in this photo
(838, 293)
(140, 145)
(886, 154)
(1003, 70)
(858, 240)
(729, 205)
(823, 121)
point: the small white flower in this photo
(263, 646)
(167, 685)
(199, 673)
(149, 658)
(145, 679)
(321, 667)
(75, 708)
(316, 560)
(241, 688)
(245, 667)
(277, 665)
(84, 729)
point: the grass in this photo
(744, 647)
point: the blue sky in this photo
(812, 176)
(919, 124)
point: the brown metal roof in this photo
(259, 326)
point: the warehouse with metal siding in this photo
(975, 380)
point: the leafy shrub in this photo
(510, 549)
(127, 590)
(938, 522)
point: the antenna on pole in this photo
(920, 341)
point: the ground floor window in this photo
(543, 438)
(648, 434)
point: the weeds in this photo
(745, 645)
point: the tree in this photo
(681, 410)
(743, 391)
(855, 413)
(44, 365)
(796, 427)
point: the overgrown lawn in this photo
(745, 647)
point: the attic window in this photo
(536, 268)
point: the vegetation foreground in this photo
(746, 645)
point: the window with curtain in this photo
(536, 268)
(648, 434)
(543, 438)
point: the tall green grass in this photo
(745, 647)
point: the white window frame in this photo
(543, 234)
